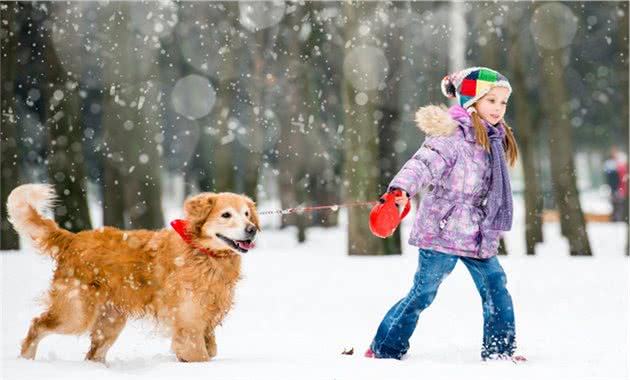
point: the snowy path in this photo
(299, 306)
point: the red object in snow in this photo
(519, 359)
(384, 217)
(369, 354)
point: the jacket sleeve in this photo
(434, 158)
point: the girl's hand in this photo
(402, 200)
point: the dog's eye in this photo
(226, 215)
(247, 214)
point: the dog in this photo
(185, 281)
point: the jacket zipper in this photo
(446, 217)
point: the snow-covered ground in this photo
(299, 306)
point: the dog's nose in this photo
(251, 230)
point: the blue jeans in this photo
(392, 336)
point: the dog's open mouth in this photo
(240, 245)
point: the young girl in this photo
(467, 206)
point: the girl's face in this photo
(492, 106)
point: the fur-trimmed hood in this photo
(441, 121)
(435, 120)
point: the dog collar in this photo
(181, 227)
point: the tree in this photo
(227, 153)
(8, 134)
(222, 117)
(66, 163)
(622, 32)
(132, 192)
(185, 143)
(388, 105)
(525, 131)
(255, 104)
(572, 223)
(294, 151)
(361, 161)
(323, 66)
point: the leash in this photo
(300, 210)
(384, 218)
(181, 225)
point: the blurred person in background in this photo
(616, 172)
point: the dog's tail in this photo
(26, 205)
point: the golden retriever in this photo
(105, 276)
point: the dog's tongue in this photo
(245, 245)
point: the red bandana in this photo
(180, 226)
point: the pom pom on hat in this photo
(471, 84)
(448, 88)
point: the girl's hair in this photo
(509, 143)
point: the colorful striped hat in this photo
(471, 84)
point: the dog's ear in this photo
(198, 207)
(253, 213)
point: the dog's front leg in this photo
(189, 345)
(211, 343)
(105, 331)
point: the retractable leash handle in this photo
(398, 193)
(384, 217)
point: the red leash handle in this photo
(398, 193)
(385, 217)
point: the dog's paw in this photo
(193, 358)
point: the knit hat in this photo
(471, 84)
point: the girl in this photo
(468, 205)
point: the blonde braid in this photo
(509, 144)
(481, 135)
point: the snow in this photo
(299, 306)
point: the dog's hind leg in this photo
(40, 327)
(47, 323)
(67, 314)
(109, 323)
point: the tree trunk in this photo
(113, 197)
(319, 179)
(66, 166)
(623, 79)
(132, 175)
(525, 132)
(203, 167)
(389, 126)
(292, 147)
(323, 81)
(457, 49)
(9, 160)
(252, 150)
(187, 143)
(532, 194)
(222, 147)
(361, 180)
(572, 221)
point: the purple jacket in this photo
(456, 173)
